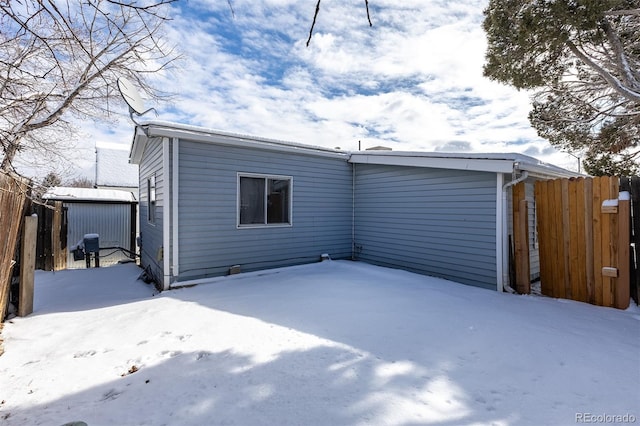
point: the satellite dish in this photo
(132, 98)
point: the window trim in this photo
(265, 177)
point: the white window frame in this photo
(152, 190)
(265, 177)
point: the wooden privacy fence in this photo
(583, 234)
(13, 197)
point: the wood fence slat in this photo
(546, 286)
(542, 225)
(558, 246)
(521, 238)
(572, 226)
(566, 238)
(607, 261)
(597, 243)
(614, 186)
(27, 265)
(588, 240)
(580, 290)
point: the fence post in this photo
(623, 282)
(521, 238)
(27, 265)
(56, 238)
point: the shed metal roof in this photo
(63, 193)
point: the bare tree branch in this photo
(315, 16)
(63, 57)
(313, 24)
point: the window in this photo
(264, 200)
(151, 199)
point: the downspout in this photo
(166, 216)
(174, 209)
(504, 285)
(353, 211)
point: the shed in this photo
(110, 213)
(214, 202)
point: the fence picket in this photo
(589, 240)
(580, 289)
(607, 260)
(597, 243)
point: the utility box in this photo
(91, 244)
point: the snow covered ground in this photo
(333, 343)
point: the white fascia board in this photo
(138, 145)
(547, 172)
(241, 141)
(474, 164)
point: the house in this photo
(113, 170)
(213, 203)
(110, 213)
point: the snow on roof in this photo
(64, 193)
(113, 167)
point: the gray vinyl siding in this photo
(431, 221)
(151, 253)
(210, 240)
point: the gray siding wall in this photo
(151, 254)
(432, 221)
(210, 241)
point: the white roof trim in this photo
(485, 162)
(184, 132)
(480, 165)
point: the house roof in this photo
(486, 162)
(145, 131)
(63, 193)
(497, 162)
(113, 167)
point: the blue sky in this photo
(413, 81)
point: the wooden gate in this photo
(583, 233)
